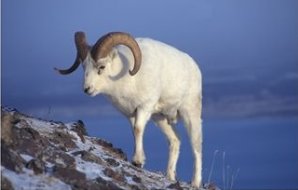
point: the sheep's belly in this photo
(168, 108)
(170, 111)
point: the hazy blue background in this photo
(247, 51)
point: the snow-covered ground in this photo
(43, 154)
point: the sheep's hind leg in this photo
(195, 134)
(139, 124)
(174, 144)
(193, 124)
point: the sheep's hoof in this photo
(138, 165)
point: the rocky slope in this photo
(39, 154)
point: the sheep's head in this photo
(95, 59)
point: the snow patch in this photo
(92, 170)
(28, 180)
(26, 157)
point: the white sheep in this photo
(165, 84)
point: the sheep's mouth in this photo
(90, 92)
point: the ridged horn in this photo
(82, 51)
(105, 44)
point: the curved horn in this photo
(105, 44)
(82, 51)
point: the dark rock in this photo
(107, 185)
(5, 184)
(10, 159)
(80, 129)
(7, 121)
(136, 179)
(114, 175)
(71, 176)
(57, 157)
(28, 141)
(63, 139)
(36, 165)
(175, 186)
(89, 157)
(115, 152)
(134, 187)
(23, 138)
(103, 143)
(112, 162)
(93, 185)
(80, 152)
(91, 148)
(120, 154)
(29, 133)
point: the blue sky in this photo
(247, 51)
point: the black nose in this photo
(86, 89)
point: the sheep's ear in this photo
(113, 54)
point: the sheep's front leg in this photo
(174, 144)
(138, 124)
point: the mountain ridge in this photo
(41, 154)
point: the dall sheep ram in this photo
(164, 85)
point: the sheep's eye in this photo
(100, 69)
